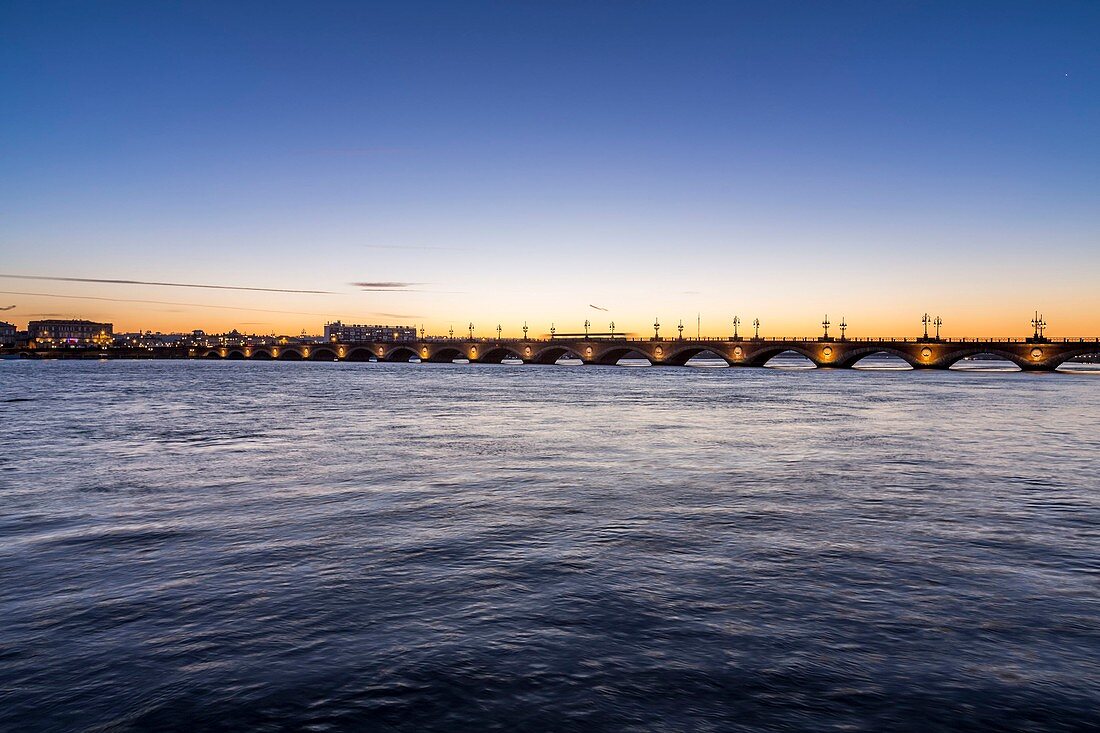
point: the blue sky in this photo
(523, 160)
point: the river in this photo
(402, 547)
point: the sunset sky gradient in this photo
(518, 161)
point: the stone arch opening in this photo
(624, 356)
(697, 357)
(1086, 363)
(290, 355)
(261, 355)
(322, 355)
(499, 354)
(983, 360)
(403, 354)
(212, 355)
(785, 359)
(235, 355)
(555, 354)
(879, 360)
(360, 354)
(446, 355)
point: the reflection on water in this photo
(363, 546)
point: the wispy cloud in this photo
(7, 308)
(385, 285)
(57, 278)
(597, 308)
(415, 247)
(164, 302)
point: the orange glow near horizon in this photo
(872, 305)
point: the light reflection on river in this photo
(289, 546)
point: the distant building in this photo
(7, 334)
(70, 333)
(351, 333)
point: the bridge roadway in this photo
(1028, 354)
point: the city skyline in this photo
(501, 163)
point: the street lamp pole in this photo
(613, 329)
(756, 327)
(926, 320)
(525, 330)
(656, 329)
(471, 330)
(587, 325)
(937, 323)
(736, 323)
(826, 324)
(680, 328)
(843, 328)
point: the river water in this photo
(403, 547)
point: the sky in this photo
(445, 163)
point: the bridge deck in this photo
(1028, 354)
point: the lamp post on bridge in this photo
(471, 330)
(826, 324)
(736, 323)
(843, 328)
(937, 323)
(451, 332)
(756, 326)
(421, 331)
(587, 325)
(925, 320)
(1039, 325)
(552, 331)
(499, 329)
(680, 328)
(656, 329)
(613, 329)
(525, 330)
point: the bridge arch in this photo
(400, 353)
(235, 354)
(615, 354)
(1069, 357)
(551, 354)
(212, 354)
(497, 354)
(360, 353)
(854, 357)
(762, 357)
(290, 355)
(952, 358)
(446, 355)
(680, 357)
(260, 355)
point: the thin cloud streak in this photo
(385, 285)
(7, 308)
(163, 302)
(56, 278)
(597, 308)
(419, 247)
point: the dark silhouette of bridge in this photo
(1031, 354)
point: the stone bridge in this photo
(1028, 354)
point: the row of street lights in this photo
(1038, 324)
